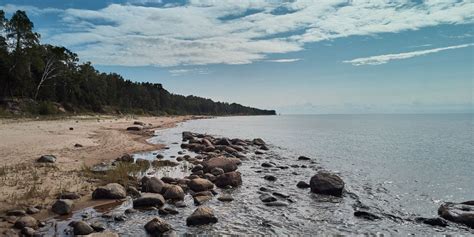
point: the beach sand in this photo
(24, 182)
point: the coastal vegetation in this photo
(46, 79)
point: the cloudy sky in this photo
(319, 56)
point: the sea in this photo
(395, 166)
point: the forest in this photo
(45, 79)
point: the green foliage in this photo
(48, 74)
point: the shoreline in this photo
(26, 183)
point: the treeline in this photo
(45, 74)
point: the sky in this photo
(298, 57)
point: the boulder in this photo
(227, 164)
(47, 159)
(187, 136)
(109, 191)
(81, 228)
(462, 213)
(168, 180)
(201, 216)
(62, 206)
(209, 177)
(233, 179)
(302, 184)
(199, 184)
(223, 142)
(149, 200)
(327, 183)
(133, 192)
(152, 185)
(174, 192)
(157, 227)
(217, 171)
(432, 221)
(26, 221)
(258, 142)
(199, 200)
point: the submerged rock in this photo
(110, 191)
(327, 183)
(62, 206)
(462, 213)
(201, 216)
(157, 227)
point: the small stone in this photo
(276, 204)
(270, 177)
(47, 159)
(98, 226)
(201, 216)
(157, 227)
(267, 165)
(267, 198)
(304, 158)
(62, 206)
(302, 184)
(81, 228)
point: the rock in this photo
(199, 200)
(233, 179)
(120, 217)
(432, 221)
(203, 193)
(69, 195)
(264, 147)
(160, 156)
(258, 142)
(227, 164)
(187, 136)
(167, 211)
(264, 189)
(133, 192)
(267, 165)
(270, 177)
(130, 211)
(27, 231)
(217, 171)
(139, 123)
(258, 152)
(32, 210)
(462, 213)
(199, 184)
(201, 216)
(174, 192)
(267, 198)
(149, 200)
(81, 228)
(157, 227)
(210, 177)
(98, 226)
(282, 195)
(16, 212)
(304, 158)
(109, 191)
(366, 215)
(180, 204)
(225, 198)
(276, 204)
(168, 180)
(152, 185)
(302, 184)
(327, 183)
(135, 128)
(77, 145)
(197, 168)
(26, 221)
(126, 158)
(223, 141)
(47, 159)
(199, 173)
(62, 206)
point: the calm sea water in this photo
(398, 166)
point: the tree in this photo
(20, 29)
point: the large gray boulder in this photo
(327, 183)
(62, 206)
(201, 216)
(458, 212)
(110, 191)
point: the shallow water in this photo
(399, 166)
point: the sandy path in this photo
(26, 183)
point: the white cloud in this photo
(284, 60)
(237, 32)
(382, 59)
(190, 71)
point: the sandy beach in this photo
(25, 182)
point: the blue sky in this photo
(336, 56)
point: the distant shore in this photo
(76, 142)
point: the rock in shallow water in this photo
(302, 184)
(81, 228)
(327, 183)
(149, 200)
(270, 177)
(157, 227)
(366, 215)
(174, 192)
(267, 198)
(458, 212)
(199, 185)
(432, 221)
(110, 191)
(227, 164)
(62, 206)
(201, 216)
(233, 179)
